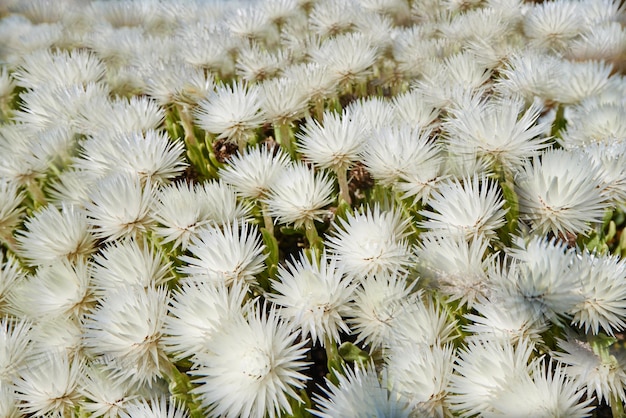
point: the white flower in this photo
(60, 289)
(252, 368)
(104, 395)
(155, 408)
(420, 375)
(412, 108)
(377, 302)
(256, 64)
(560, 192)
(456, 267)
(315, 81)
(231, 112)
(371, 242)
(610, 157)
(178, 82)
(11, 273)
(359, 393)
(8, 402)
(313, 296)
(332, 17)
(604, 378)
(469, 209)
(369, 113)
(48, 385)
(300, 195)
(284, 100)
(253, 173)
(595, 120)
(605, 41)
(119, 207)
(228, 255)
(502, 130)
(44, 68)
(196, 312)
(15, 340)
(72, 187)
(125, 330)
(530, 74)
(11, 208)
(57, 334)
(582, 80)
(603, 287)
(52, 234)
(129, 263)
(335, 143)
(553, 24)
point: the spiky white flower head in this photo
(11, 209)
(422, 322)
(127, 264)
(603, 288)
(8, 402)
(50, 107)
(44, 68)
(284, 100)
(72, 187)
(502, 130)
(453, 265)
(23, 157)
(196, 312)
(405, 157)
(530, 74)
(412, 108)
(231, 112)
(178, 82)
(560, 192)
(334, 143)
(119, 206)
(377, 302)
(359, 393)
(253, 173)
(552, 25)
(604, 378)
(610, 157)
(60, 334)
(125, 330)
(371, 242)
(470, 209)
(328, 18)
(300, 195)
(52, 234)
(155, 408)
(48, 385)
(104, 395)
(252, 368)
(255, 63)
(582, 80)
(121, 14)
(540, 279)
(151, 156)
(605, 41)
(249, 23)
(16, 348)
(549, 391)
(349, 57)
(595, 120)
(228, 255)
(60, 289)
(207, 46)
(486, 370)
(312, 296)
(11, 273)
(7, 85)
(315, 81)
(370, 113)
(420, 375)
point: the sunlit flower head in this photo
(155, 407)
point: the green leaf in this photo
(350, 352)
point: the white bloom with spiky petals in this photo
(56, 290)
(610, 157)
(315, 81)
(469, 209)
(119, 207)
(530, 74)
(196, 312)
(48, 385)
(228, 255)
(15, 340)
(371, 242)
(458, 268)
(129, 263)
(359, 393)
(255, 63)
(52, 234)
(595, 120)
(284, 100)
(368, 113)
(11, 273)
(231, 112)
(312, 296)
(582, 80)
(126, 329)
(44, 67)
(252, 368)
(420, 375)
(604, 378)
(502, 130)
(8, 402)
(335, 143)
(178, 82)
(253, 173)
(60, 334)
(330, 18)
(11, 209)
(603, 288)
(553, 24)
(155, 408)
(104, 395)
(377, 302)
(605, 42)
(300, 195)
(560, 192)
(485, 369)
(412, 108)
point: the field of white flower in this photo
(298, 208)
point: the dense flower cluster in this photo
(333, 208)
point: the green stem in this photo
(180, 388)
(319, 109)
(267, 219)
(35, 192)
(284, 136)
(344, 188)
(187, 122)
(311, 234)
